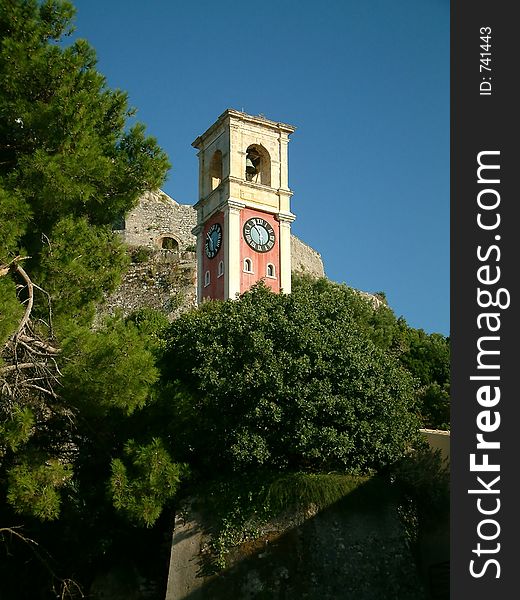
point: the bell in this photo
(250, 167)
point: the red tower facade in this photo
(243, 213)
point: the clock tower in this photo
(243, 212)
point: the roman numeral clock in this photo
(243, 212)
(259, 234)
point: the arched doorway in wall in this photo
(168, 242)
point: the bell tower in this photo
(243, 212)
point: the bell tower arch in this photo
(243, 211)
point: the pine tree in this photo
(70, 165)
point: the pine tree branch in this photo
(30, 300)
(13, 531)
(50, 392)
(20, 366)
(27, 357)
(28, 340)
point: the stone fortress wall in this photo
(156, 217)
(305, 259)
(163, 273)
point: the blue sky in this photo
(365, 82)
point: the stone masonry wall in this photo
(157, 215)
(353, 549)
(164, 281)
(305, 259)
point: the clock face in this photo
(213, 240)
(259, 234)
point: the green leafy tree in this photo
(427, 357)
(69, 165)
(287, 381)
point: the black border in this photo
(480, 123)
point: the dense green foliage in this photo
(68, 164)
(423, 477)
(143, 486)
(427, 356)
(78, 265)
(65, 146)
(288, 381)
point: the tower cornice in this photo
(242, 117)
(285, 217)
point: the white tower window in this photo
(220, 269)
(207, 278)
(248, 265)
(270, 272)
